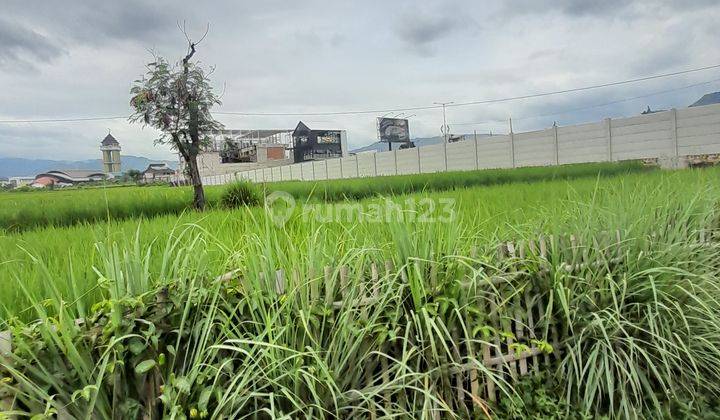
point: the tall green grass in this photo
(359, 188)
(31, 210)
(485, 213)
(637, 333)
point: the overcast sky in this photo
(66, 59)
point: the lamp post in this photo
(445, 127)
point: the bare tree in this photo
(176, 99)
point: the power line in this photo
(52, 120)
(381, 111)
(479, 102)
(603, 85)
(567, 111)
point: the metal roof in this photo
(109, 140)
(251, 134)
(73, 175)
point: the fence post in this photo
(375, 158)
(395, 157)
(342, 176)
(357, 166)
(313, 170)
(673, 132)
(512, 148)
(557, 149)
(327, 172)
(477, 158)
(608, 134)
(417, 151)
(445, 154)
(6, 403)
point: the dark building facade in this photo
(311, 145)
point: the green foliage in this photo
(637, 329)
(241, 193)
(20, 212)
(132, 175)
(195, 347)
(359, 188)
(536, 397)
(173, 98)
(648, 322)
(689, 407)
(67, 207)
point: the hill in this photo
(419, 142)
(710, 98)
(31, 167)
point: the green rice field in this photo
(632, 336)
(27, 210)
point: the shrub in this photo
(241, 193)
(538, 397)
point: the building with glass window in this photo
(311, 144)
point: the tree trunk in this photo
(199, 192)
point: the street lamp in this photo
(445, 129)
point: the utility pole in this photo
(445, 129)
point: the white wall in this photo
(698, 130)
(334, 168)
(407, 160)
(535, 148)
(461, 156)
(583, 143)
(349, 167)
(432, 158)
(366, 164)
(494, 152)
(385, 163)
(674, 133)
(644, 136)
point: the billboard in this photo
(393, 130)
(329, 137)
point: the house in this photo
(156, 172)
(318, 144)
(20, 181)
(235, 150)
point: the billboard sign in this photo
(393, 130)
(329, 137)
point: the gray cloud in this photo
(620, 9)
(96, 23)
(590, 7)
(420, 30)
(23, 46)
(315, 56)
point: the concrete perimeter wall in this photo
(669, 134)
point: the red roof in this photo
(44, 181)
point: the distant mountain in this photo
(419, 142)
(31, 167)
(708, 99)
(383, 147)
